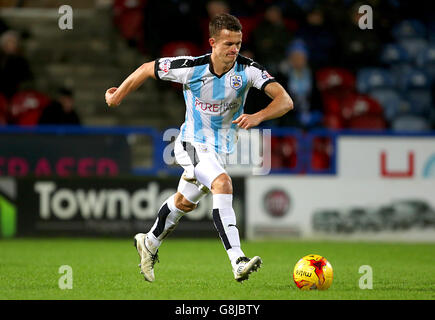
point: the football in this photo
(313, 272)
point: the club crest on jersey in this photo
(165, 65)
(236, 82)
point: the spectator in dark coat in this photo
(61, 111)
(14, 68)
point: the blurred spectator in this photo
(213, 7)
(302, 87)
(358, 47)
(270, 38)
(61, 111)
(3, 26)
(246, 8)
(14, 68)
(128, 16)
(171, 21)
(319, 38)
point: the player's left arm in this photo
(281, 104)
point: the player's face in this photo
(226, 45)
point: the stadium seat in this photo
(249, 24)
(409, 122)
(431, 31)
(331, 103)
(389, 99)
(420, 101)
(180, 48)
(410, 28)
(333, 121)
(360, 104)
(413, 46)
(128, 17)
(276, 153)
(26, 107)
(289, 147)
(367, 122)
(368, 79)
(426, 60)
(310, 118)
(3, 110)
(283, 152)
(320, 156)
(416, 88)
(335, 79)
(394, 54)
(412, 78)
(276, 161)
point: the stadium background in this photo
(355, 161)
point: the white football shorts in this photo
(199, 161)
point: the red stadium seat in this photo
(331, 104)
(333, 121)
(130, 24)
(289, 148)
(26, 107)
(335, 79)
(283, 152)
(276, 154)
(276, 161)
(360, 104)
(320, 157)
(180, 48)
(367, 122)
(320, 161)
(249, 24)
(128, 17)
(3, 110)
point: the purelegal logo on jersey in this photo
(215, 108)
(212, 108)
(236, 82)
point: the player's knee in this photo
(222, 184)
(183, 204)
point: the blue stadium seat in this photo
(416, 89)
(426, 60)
(414, 78)
(410, 28)
(393, 53)
(420, 101)
(410, 122)
(389, 99)
(413, 46)
(431, 31)
(368, 79)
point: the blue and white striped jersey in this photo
(212, 102)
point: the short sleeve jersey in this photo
(212, 101)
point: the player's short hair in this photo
(223, 21)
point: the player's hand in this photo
(247, 121)
(109, 97)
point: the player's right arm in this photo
(114, 96)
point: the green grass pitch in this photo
(198, 269)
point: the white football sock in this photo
(224, 219)
(166, 221)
